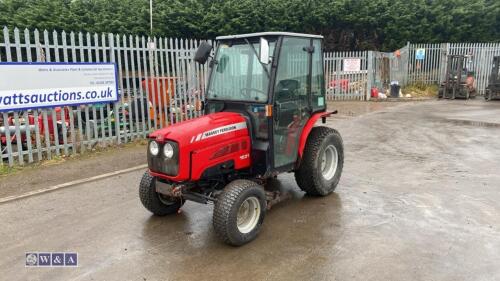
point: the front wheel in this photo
(239, 212)
(157, 203)
(322, 162)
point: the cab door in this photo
(291, 98)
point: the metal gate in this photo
(432, 68)
(343, 82)
(159, 85)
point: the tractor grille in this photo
(161, 164)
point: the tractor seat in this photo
(286, 89)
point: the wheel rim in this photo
(248, 215)
(329, 161)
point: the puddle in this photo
(473, 123)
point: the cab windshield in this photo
(237, 73)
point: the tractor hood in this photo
(204, 130)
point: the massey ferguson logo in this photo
(219, 131)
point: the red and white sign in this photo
(352, 64)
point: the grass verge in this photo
(420, 90)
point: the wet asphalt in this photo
(418, 200)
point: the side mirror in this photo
(202, 53)
(264, 51)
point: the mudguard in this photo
(308, 127)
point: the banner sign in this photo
(352, 64)
(45, 84)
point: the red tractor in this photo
(266, 92)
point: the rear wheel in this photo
(322, 162)
(239, 212)
(157, 203)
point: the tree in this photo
(346, 24)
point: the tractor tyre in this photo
(239, 212)
(322, 162)
(157, 203)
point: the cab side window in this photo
(291, 79)
(318, 102)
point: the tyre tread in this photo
(150, 200)
(223, 206)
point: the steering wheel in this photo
(245, 91)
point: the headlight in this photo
(163, 157)
(154, 148)
(168, 150)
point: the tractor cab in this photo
(264, 96)
(275, 80)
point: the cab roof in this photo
(258, 34)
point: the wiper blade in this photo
(258, 59)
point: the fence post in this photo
(8, 147)
(406, 64)
(111, 43)
(17, 123)
(445, 50)
(369, 75)
(5, 115)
